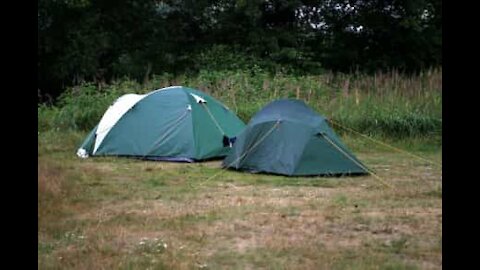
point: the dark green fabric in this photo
(286, 137)
(327, 161)
(158, 125)
(89, 141)
(170, 123)
(208, 136)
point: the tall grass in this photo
(385, 104)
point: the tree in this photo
(104, 39)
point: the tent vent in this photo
(198, 99)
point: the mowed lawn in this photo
(119, 213)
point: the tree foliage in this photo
(87, 40)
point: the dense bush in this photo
(102, 40)
(386, 104)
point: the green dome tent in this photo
(287, 137)
(174, 123)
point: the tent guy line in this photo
(385, 144)
(359, 164)
(225, 168)
(204, 104)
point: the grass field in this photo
(118, 213)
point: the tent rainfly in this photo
(287, 137)
(175, 123)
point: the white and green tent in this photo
(174, 123)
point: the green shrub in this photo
(387, 105)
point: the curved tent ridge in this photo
(165, 88)
(291, 110)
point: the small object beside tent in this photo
(175, 123)
(287, 137)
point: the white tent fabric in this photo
(113, 114)
(198, 99)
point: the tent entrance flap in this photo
(228, 142)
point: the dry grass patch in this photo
(109, 213)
